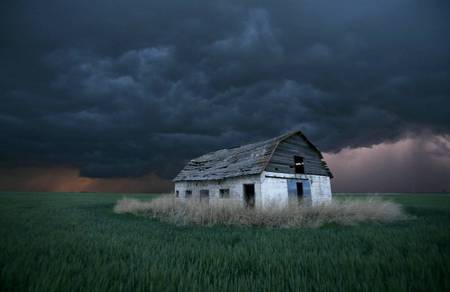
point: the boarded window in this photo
(204, 195)
(224, 193)
(299, 164)
(188, 193)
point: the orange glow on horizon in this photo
(64, 179)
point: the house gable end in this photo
(297, 145)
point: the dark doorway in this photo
(299, 191)
(299, 164)
(249, 195)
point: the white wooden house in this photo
(279, 171)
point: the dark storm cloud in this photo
(125, 88)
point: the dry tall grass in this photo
(346, 212)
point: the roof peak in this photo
(276, 138)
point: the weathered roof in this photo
(239, 161)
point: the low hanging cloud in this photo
(134, 88)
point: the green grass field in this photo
(74, 242)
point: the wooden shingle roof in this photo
(239, 161)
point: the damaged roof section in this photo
(245, 160)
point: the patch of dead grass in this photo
(345, 212)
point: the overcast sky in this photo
(118, 91)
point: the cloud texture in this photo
(127, 88)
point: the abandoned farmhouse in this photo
(278, 171)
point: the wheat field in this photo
(76, 242)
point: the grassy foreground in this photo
(75, 242)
